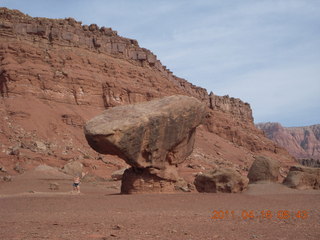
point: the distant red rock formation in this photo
(301, 142)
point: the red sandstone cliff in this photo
(301, 142)
(56, 74)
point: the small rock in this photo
(7, 178)
(15, 151)
(181, 185)
(191, 186)
(54, 186)
(2, 169)
(116, 227)
(18, 168)
(41, 146)
(193, 166)
(253, 236)
(185, 189)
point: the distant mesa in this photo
(302, 142)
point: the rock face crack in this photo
(3, 83)
(152, 136)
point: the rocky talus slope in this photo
(302, 142)
(56, 74)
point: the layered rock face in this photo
(154, 136)
(57, 74)
(53, 54)
(233, 106)
(231, 119)
(301, 142)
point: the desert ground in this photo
(30, 210)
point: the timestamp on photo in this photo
(259, 214)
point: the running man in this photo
(76, 184)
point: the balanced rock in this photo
(221, 180)
(156, 135)
(264, 169)
(149, 134)
(303, 178)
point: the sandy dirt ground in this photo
(29, 210)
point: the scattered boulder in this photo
(156, 135)
(3, 169)
(73, 168)
(116, 227)
(18, 168)
(15, 151)
(303, 178)
(40, 146)
(54, 186)
(191, 186)
(7, 178)
(182, 185)
(117, 175)
(221, 180)
(264, 169)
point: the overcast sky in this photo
(265, 52)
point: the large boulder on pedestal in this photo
(156, 135)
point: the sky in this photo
(265, 52)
